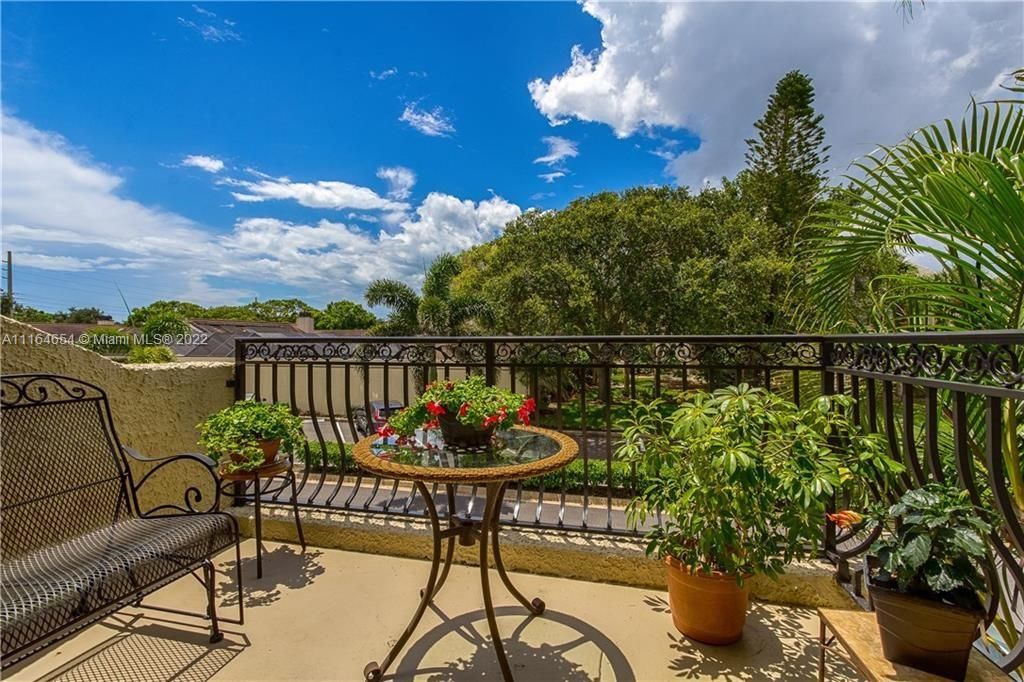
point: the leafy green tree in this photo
(184, 309)
(80, 316)
(439, 310)
(646, 261)
(279, 309)
(165, 324)
(345, 315)
(784, 160)
(26, 313)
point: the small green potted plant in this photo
(926, 582)
(467, 412)
(249, 434)
(741, 478)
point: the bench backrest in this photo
(62, 471)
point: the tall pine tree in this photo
(784, 161)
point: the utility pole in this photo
(10, 284)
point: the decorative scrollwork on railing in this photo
(542, 352)
(999, 365)
(38, 389)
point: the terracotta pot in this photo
(709, 608)
(923, 633)
(270, 449)
(457, 434)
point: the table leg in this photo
(259, 526)
(822, 648)
(374, 671)
(536, 606)
(450, 552)
(492, 509)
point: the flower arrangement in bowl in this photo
(927, 578)
(249, 434)
(467, 412)
(741, 478)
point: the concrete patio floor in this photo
(323, 614)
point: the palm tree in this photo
(951, 193)
(955, 195)
(436, 312)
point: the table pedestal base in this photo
(466, 532)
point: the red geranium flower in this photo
(435, 409)
(463, 409)
(385, 431)
(524, 412)
(432, 424)
(449, 385)
(492, 419)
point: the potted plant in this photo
(741, 478)
(467, 412)
(927, 579)
(249, 434)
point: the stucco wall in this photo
(155, 407)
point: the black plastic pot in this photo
(923, 633)
(460, 435)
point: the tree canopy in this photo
(344, 315)
(648, 260)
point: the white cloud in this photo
(710, 67)
(551, 177)
(559, 149)
(400, 181)
(333, 194)
(435, 122)
(30, 259)
(63, 211)
(207, 30)
(385, 74)
(207, 163)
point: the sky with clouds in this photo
(219, 152)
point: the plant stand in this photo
(855, 639)
(262, 484)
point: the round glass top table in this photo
(514, 455)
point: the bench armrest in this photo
(192, 495)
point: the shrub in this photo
(150, 354)
(742, 476)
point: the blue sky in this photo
(221, 152)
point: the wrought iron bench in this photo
(75, 546)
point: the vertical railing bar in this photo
(310, 368)
(560, 423)
(889, 416)
(352, 427)
(292, 397)
(931, 438)
(537, 402)
(909, 437)
(368, 411)
(796, 386)
(584, 447)
(273, 383)
(872, 389)
(608, 441)
(338, 437)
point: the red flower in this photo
(449, 385)
(435, 408)
(385, 431)
(524, 412)
(463, 409)
(488, 421)
(432, 424)
(845, 519)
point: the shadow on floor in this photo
(142, 653)
(284, 567)
(775, 645)
(533, 661)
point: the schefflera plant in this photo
(741, 476)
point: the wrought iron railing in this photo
(947, 403)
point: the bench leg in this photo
(209, 578)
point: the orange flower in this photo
(846, 519)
